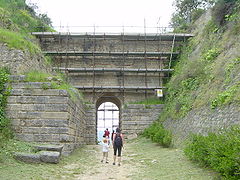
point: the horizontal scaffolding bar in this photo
(127, 36)
(111, 70)
(88, 53)
(119, 87)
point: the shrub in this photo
(5, 131)
(157, 133)
(225, 97)
(220, 151)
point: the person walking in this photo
(106, 133)
(105, 149)
(117, 146)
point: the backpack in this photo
(118, 140)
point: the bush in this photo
(158, 134)
(220, 151)
(5, 131)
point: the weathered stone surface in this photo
(46, 115)
(27, 157)
(136, 117)
(49, 156)
(19, 62)
(57, 148)
(204, 120)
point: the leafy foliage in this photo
(188, 11)
(157, 133)
(224, 10)
(225, 97)
(5, 131)
(16, 21)
(220, 151)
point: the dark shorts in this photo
(117, 149)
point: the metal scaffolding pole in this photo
(94, 49)
(145, 57)
(128, 36)
(116, 54)
(160, 62)
(123, 74)
(79, 70)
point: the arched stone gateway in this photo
(108, 114)
(116, 68)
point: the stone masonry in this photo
(20, 62)
(204, 120)
(96, 51)
(46, 115)
(136, 117)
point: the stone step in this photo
(56, 148)
(41, 156)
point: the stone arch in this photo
(107, 97)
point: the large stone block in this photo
(27, 157)
(49, 157)
(49, 147)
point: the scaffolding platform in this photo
(127, 36)
(130, 54)
(76, 70)
(119, 87)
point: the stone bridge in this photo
(118, 68)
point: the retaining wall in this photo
(204, 120)
(20, 62)
(46, 115)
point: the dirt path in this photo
(143, 160)
(104, 171)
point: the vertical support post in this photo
(123, 65)
(145, 57)
(93, 64)
(160, 61)
(67, 60)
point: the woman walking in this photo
(117, 146)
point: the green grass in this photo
(17, 21)
(157, 163)
(74, 164)
(58, 81)
(18, 41)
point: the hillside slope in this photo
(204, 92)
(19, 52)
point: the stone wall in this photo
(20, 62)
(204, 120)
(46, 115)
(91, 124)
(136, 117)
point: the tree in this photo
(188, 10)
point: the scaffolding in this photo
(147, 57)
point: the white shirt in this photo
(105, 147)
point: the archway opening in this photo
(107, 117)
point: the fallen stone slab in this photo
(49, 156)
(27, 157)
(57, 148)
